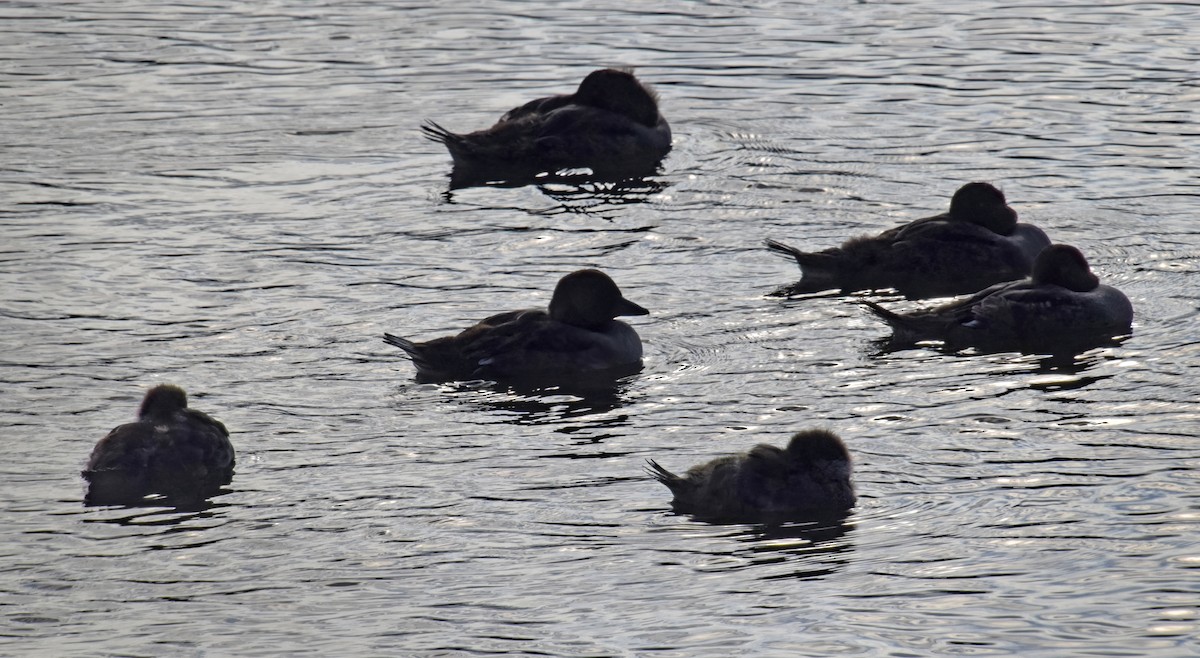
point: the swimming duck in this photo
(576, 335)
(811, 478)
(180, 453)
(976, 244)
(610, 125)
(1061, 307)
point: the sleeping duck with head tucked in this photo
(577, 336)
(179, 453)
(610, 125)
(1062, 307)
(810, 479)
(977, 243)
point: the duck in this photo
(1061, 307)
(578, 334)
(977, 243)
(610, 125)
(807, 480)
(178, 453)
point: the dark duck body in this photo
(979, 242)
(1062, 307)
(809, 479)
(611, 125)
(176, 452)
(577, 335)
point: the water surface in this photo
(236, 198)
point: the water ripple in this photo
(238, 199)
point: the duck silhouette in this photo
(577, 335)
(808, 479)
(977, 243)
(610, 125)
(171, 450)
(1061, 307)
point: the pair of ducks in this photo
(612, 126)
(183, 456)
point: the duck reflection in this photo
(808, 550)
(584, 196)
(567, 184)
(1064, 372)
(591, 198)
(1081, 355)
(158, 513)
(590, 404)
(1051, 372)
(803, 551)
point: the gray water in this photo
(235, 197)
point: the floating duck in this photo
(976, 244)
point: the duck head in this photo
(983, 204)
(817, 445)
(620, 92)
(1065, 266)
(589, 299)
(162, 401)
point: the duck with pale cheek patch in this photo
(979, 242)
(577, 335)
(1062, 307)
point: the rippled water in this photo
(235, 197)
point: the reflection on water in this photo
(590, 400)
(463, 177)
(810, 550)
(588, 197)
(1072, 358)
(235, 197)
(153, 513)
(602, 198)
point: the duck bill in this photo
(626, 307)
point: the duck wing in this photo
(952, 258)
(1045, 314)
(585, 136)
(208, 439)
(936, 323)
(537, 106)
(533, 344)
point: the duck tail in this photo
(784, 250)
(818, 270)
(436, 133)
(905, 328)
(893, 318)
(654, 470)
(409, 347)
